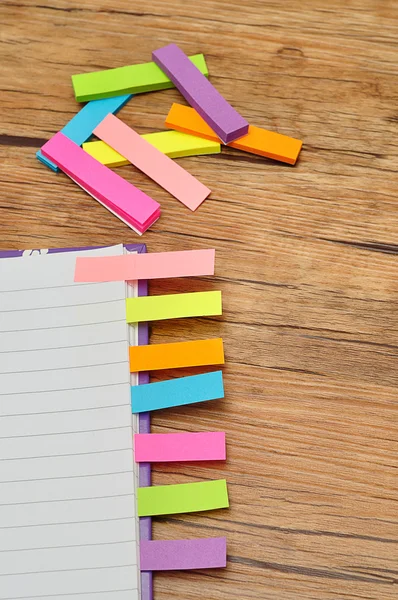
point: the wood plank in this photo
(306, 261)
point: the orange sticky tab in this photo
(179, 354)
(186, 119)
(257, 141)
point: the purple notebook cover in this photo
(144, 418)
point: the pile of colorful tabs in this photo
(198, 130)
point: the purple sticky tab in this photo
(175, 555)
(200, 93)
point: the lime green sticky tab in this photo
(133, 79)
(173, 306)
(182, 498)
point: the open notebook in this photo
(68, 519)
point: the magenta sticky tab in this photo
(179, 447)
(131, 205)
(200, 93)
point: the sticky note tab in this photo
(133, 79)
(177, 392)
(134, 206)
(181, 144)
(172, 143)
(173, 555)
(176, 355)
(258, 141)
(182, 498)
(179, 447)
(105, 154)
(156, 265)
(81, 126)
(200, 93)
(173, 306)
(159, 167)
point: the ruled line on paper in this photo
(71, 546)
(65, 432)
(50, 287)
(65, 326)
(29, 309)
(66, 477)
(67, 489)
(106, 364)
(67, 410)
(56, 348)
(68, 523)
(65, 570)
(70, 534)
(73, 336)
(69, 499)
(72, 582)
(52, 597)
(70, 454)
(87, 387)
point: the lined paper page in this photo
(68, 523)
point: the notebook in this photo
(68, 519)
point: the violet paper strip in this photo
(174, 555)
(144, 424)
(200, 93)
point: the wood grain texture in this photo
(306, 260)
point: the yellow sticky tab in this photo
(105, 154)
(173, 306)
(172, 143)
(181, 144)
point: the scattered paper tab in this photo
(177, 392)
(182, 498)
(257, 141)
(172, 143)
(133, 79)
(81, 126)
(156, 265)
(173, 306)
(179, 447)
(110, 189)
(156, 165)
(176, 555)
(200, 93)
(176, 355)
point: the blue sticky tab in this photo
(177, 392)
(46, 161)
(82, 125)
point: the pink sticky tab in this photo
(115, 193)
(174, 447)
(159, 167)
(159, 265)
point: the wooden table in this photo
(306, 260)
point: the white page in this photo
(68, 522)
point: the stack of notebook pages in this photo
(75, 444)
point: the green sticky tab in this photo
(173, 306)
(182, 498)
(133, 79)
